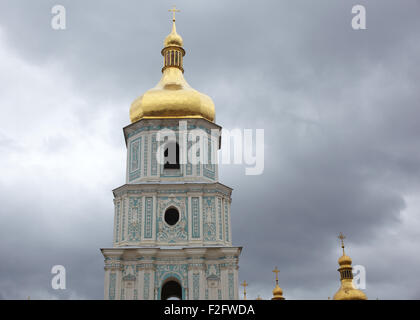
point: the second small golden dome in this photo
(277, 291)
(173, 39)
(344, 260)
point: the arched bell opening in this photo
(171, 156)
(171, 290)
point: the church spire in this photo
(347, 290)
(173, 52)
(277, 292)
(345, 262)
(244, 284)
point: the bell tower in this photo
(172, 232)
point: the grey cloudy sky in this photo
(340, 109)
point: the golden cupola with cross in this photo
(172, 97)
(277, 292)
(347, 289)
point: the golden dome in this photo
(172, 97)
(344, 260)
(173, 39)
(277, 292)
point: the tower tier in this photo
(196, 214)
(187, 273)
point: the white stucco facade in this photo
(194, 251)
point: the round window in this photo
(171, 216)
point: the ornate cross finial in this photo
(244, 284)
(276, 271)
(173, 10)
(342, 237)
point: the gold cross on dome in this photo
(342, 237)
(244, 284)
(173, 10)
(276, 271)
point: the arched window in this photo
(171, 156)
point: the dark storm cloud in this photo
(340, 110)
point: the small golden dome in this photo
(344, 260)
(172, 97)
(277, 291)
(173, 39)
